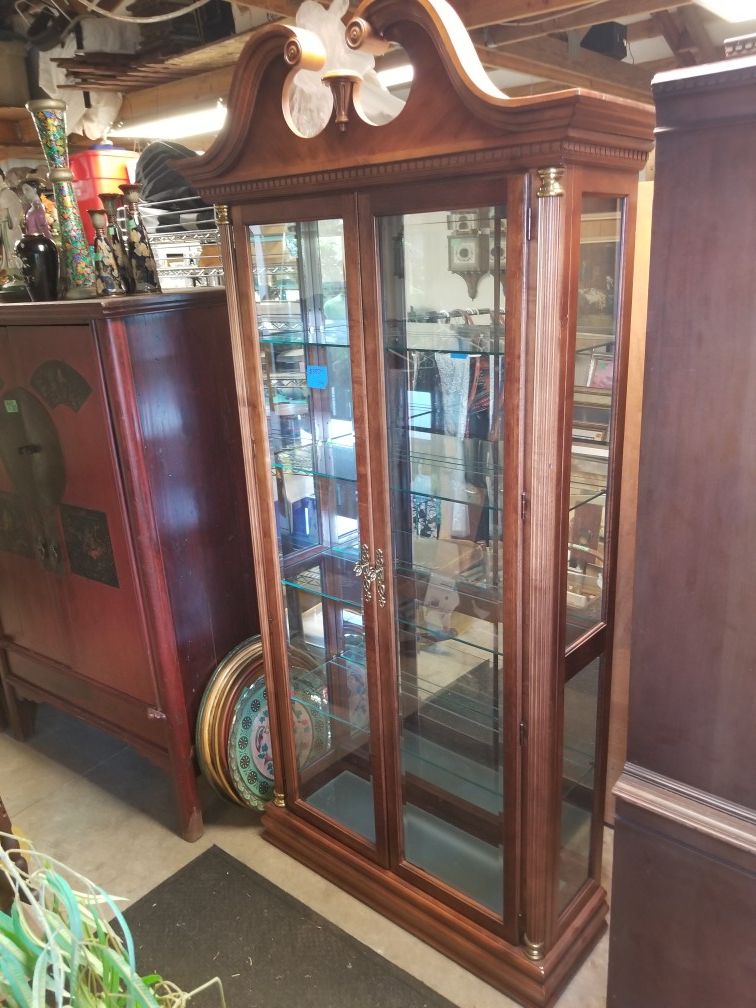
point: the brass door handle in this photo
(371, 573)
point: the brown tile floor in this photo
(92, 802)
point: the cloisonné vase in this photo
(107, 275)
(143, 267)
(77, 268)
(111, 202)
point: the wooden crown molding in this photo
(257, 152)
(721, 92)
(528, 155)
(700, 811)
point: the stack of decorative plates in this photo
(240, 669)
(233, 730)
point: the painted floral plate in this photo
(250, 759)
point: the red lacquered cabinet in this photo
(125, 558)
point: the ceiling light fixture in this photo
(189, 124)
(731, 10)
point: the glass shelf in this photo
(479, 588)
(333, 459)
(354, 675)
(577, 774)
(442, 452)
(429, 636)
(348, 550)
(296, 338)
(457, 775)
(310, 580)
(452, 699)
(465, 341)
(581, 493)
(596, 341)
(449, 477)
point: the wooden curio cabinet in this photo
(429, 319)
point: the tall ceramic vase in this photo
(77, 268)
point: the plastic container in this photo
(101, 169)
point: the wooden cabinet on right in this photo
(684, 902)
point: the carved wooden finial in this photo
(293, 52)
(361, 35)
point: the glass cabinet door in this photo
(300, 294)
(441, 288)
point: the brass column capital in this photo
(551, 182)
(222, 214)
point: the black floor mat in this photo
(216, 917)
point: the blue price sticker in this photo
(317, 376)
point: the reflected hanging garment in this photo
(477, 448)
(454, 376)
(425, 378)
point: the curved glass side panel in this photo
(300, 295)
(599, 284)
(598, 304)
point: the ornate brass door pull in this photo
(371, 573)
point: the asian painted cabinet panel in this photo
(429, 320)
(125, 566)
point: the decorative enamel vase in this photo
(107, 275)
(143, 267)
(77, 268)
(111, 202)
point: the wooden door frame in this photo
(257, 462)
(449, 194)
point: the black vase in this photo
(39, 263)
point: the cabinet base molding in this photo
(699, 811)
(504, 966)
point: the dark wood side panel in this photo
(700, 949)
(185, 396)
(693, 702)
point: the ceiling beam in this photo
(284, 8)
(695, 23)
(550, 58)
(176, 96)
(480, 13)
(639, 31)
(609, 10)
(675, 37)
(8, 134)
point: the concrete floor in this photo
(92, 802)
